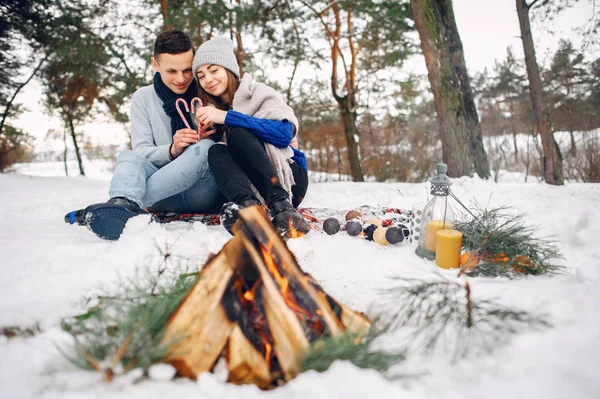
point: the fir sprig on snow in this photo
(445, 312)
(20, 331)
(364, 353)
(124, 329)
(505, 246)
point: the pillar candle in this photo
(430, 230)
(447, 248)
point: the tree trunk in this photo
(552, 162)
(572, 127)
(351, 132)
(163, 11)
(514, 131)
(339, 163)
(458, 121)
(74, 137)
(239, 51)
(17, 90)
(346, 103)
(65, 153)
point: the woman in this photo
(257, 164)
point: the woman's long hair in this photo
(232, 85)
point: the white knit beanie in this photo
(216, 51)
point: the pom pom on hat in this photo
(216, 51)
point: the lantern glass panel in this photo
(438, 214)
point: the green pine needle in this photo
(443, 313)
(131, 319)
(363, 353)
(497, 234)
(20, 331)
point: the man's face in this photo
(175, 70)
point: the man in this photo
(168, 167)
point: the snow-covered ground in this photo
(47, 267)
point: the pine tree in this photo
(566, 86)
(363, 38)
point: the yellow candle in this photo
(431, 228)
(447, 248)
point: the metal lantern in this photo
(437, 214)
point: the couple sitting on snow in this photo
(242, 152)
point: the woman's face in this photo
(213, 79)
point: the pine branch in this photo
(20, 331)
(504, 246)
(125, 328)
(363, 353)
(443, 311)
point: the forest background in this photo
(344, 66)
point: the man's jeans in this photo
(184, 185)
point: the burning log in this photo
(253, 300)
(245, 363)
(200, 319)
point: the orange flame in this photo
(250, 294)
(283, 283)
(268, 354)
(293, 232)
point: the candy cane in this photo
(195, 100)
(186, 110)
(200, 105)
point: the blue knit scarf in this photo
(169, 98)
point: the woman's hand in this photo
(205, 115)
(182, 139)
(205, 131)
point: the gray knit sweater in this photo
(150, 126)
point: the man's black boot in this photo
(107, 220)
(286, 218)
(230, 212)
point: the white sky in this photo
(486, 28)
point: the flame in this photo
(237, 286)
(283, 284)
(268, 354)
(293, 232)
(251, 293)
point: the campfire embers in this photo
(255, 306)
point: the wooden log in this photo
(355, 322)
(287, 333)
(246, 364)
(256, 224)
(198, 330)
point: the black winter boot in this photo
(107, 220)
(230, 212)
(286, 218)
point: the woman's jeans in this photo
(184, 185)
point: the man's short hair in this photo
(172, 42)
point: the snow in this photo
(49, 267)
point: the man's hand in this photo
(182, 139)
(206, 115)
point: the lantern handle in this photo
(461, 204)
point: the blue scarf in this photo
(168, 98)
